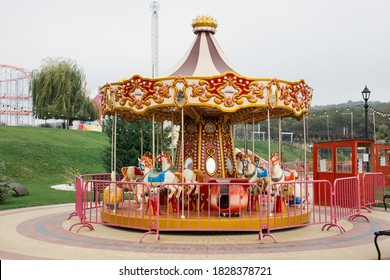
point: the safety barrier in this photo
(223, 205)
(345, 201)
(135, 205)
(373, 186)
(90, 191)
(213, 206)
(292, 204)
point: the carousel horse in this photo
(188, 175)
(133, 174)
(255, 174)
(279, 175)
(155, 179)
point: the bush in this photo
(3, 178)
(70, 175)
(5, 193)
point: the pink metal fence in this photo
(91, 191)
(345, 201)
(285, 205)
(197, 213)
(373, 187)
(93, 208)
(292, 204)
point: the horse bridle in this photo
(141, 166)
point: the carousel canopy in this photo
(204, 84)
(204, 57)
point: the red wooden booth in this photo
(382, 161)
(341, 159)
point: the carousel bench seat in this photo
(377, 234)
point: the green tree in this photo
(58, 92)
(383, 132)
(128, 142)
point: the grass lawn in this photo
(38, 157)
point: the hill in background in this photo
(39, 157)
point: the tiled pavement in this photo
(43, 233)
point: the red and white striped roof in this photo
(204, 57)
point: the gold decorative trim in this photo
(137, 97)
(222, 152)
(180, 95)
(200, 146)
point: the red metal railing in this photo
(345, 201)
(88, 187)
(199, 211)
(373, 185)
(284, 205)
(292, 204)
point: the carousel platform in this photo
(129, 215)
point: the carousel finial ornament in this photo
(204, 23)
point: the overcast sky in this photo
(336, 46)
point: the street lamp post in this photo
(350, 113)
(366, 95)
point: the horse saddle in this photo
(290, 176)
(287, 175)
(138, 172)
(262, 172)
(156, 177)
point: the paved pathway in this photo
(43, 233)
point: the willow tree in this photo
(58, 92)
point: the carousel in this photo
(204, 184)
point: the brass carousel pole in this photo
(182, 162)
(113, 156)
(245, 136)
(153, 136)
(142, 137)
(304, 143)
(280, 136)
(253, 135)
(172, 138)
(162, 136)
(269, 142)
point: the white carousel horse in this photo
(155, 179)
(189, 175)
(255, 174)
(279, 175)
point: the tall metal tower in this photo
(154, 7)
